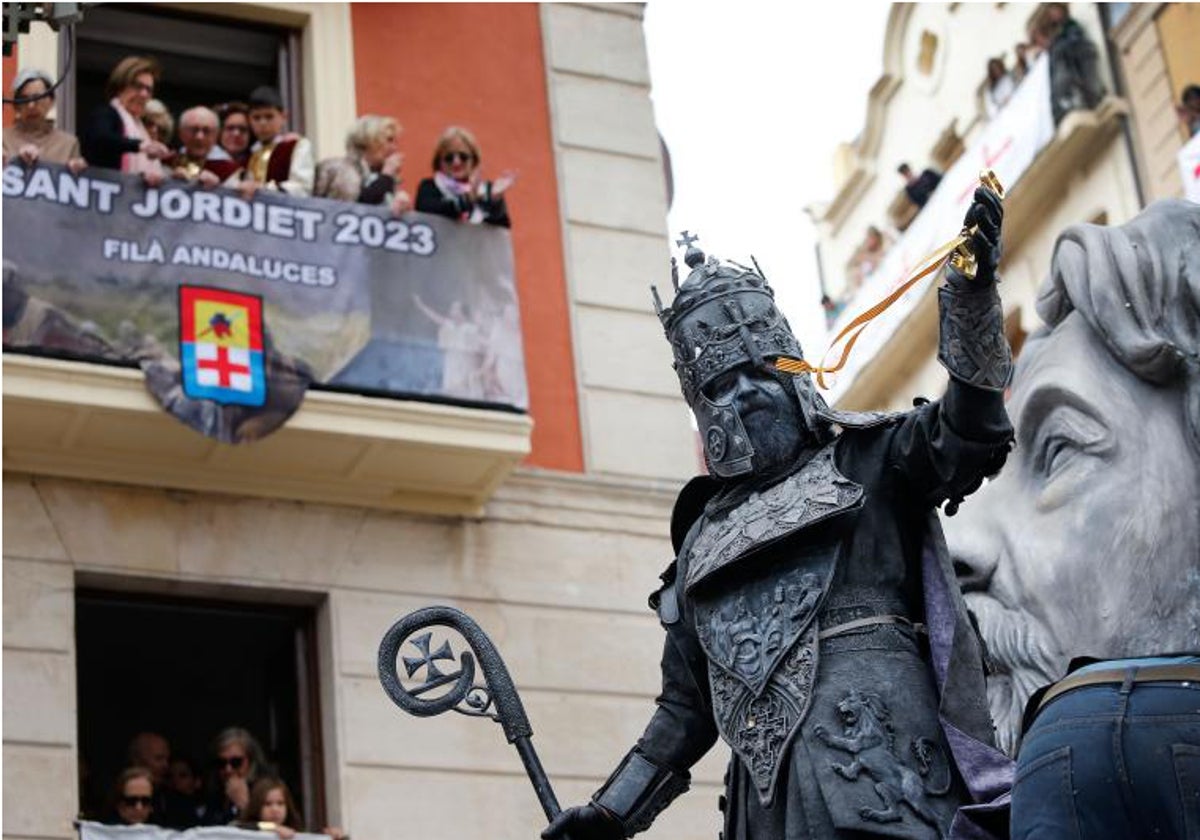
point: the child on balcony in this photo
(278, 161)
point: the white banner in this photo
(1009, 144)
(99, 831)
(1189, 169)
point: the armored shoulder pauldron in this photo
(815, 493)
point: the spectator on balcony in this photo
(133, 797)
(1021, 64)
(238, 761)
(278, 160)
(32, 136)
(370, 171)
(999, 88)
(1188, 109)
(185, 801)
(113, 136)
(160, 125)
(457, 189)
(1074, 62)
(868, 256)
(195, 161)
(919, 187)
(235, 132)
(272, 808)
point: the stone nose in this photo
(972, 546)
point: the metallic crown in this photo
(723, 316)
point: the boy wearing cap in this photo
(278, 160)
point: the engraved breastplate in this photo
(816, 492)
(758, 628)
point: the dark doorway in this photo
(205, 60)
(188, 669)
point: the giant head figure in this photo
(1088, 542)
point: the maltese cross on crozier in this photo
(428, 661)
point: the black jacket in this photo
(102, 139)
(431, 200)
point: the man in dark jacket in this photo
(811, 613)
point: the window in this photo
(205, 60)
(188, 668)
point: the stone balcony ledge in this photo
(87, 421)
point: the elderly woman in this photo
(456, 189)
(159, 123)
(238, 762)
(32, 136)
(370, 171)
(114, 136)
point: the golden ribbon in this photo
(958, 247)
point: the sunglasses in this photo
(145, 88)
(236, 762)
(134, 801)
(450, 158)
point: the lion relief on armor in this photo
(868, 736)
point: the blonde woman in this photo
(457, 189)
(370, 171)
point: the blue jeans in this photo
(1112, 761)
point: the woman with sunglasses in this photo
(114, 136)
(133, 796)
(456, 189)
(238, 761)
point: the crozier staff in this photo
(808, 562)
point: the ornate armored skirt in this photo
(868, 757)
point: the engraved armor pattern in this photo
(815, 493)
(971, 342)
(759, 728)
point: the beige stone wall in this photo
(613, 197)
(557, 571)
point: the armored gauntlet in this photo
(971, 341)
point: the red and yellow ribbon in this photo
(932, 262)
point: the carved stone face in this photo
(768, 412)
(1086, 543)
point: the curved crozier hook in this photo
(389, 650)
(510, 713)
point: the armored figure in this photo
(812, 617)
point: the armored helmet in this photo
(724, 317)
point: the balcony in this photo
(1035, 160)
(402, 412)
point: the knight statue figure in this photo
(811, 613)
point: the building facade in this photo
(930, 108)
(133, 546)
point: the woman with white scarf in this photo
(114, 136)
(456, 189)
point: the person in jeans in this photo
(1112, 751)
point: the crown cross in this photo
(686, 239)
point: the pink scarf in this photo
(133, 161)
(452, 188)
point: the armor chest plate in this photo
(757, 625)
(814, 493)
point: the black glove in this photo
(584, 822)
(986, 213)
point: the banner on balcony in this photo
(98, 831)
(232, 308)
